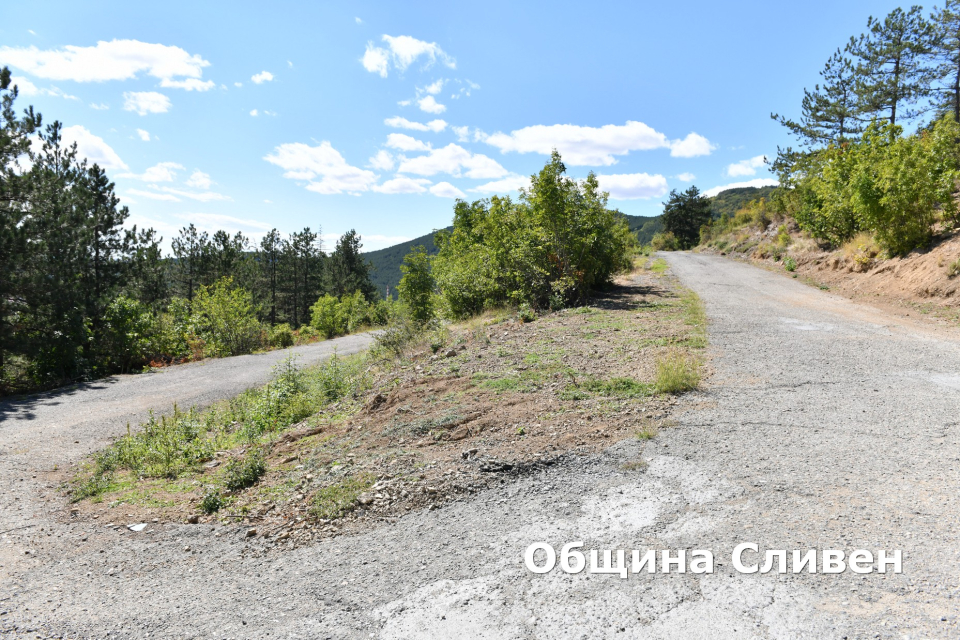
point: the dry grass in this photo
(677, 372)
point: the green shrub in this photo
(241, 473)
(129, 334)
(789, 264)
(664, 241)
(212, 502)
(306, 334)
(526, 314)
(416, 288)
(225, 318)
(340, 498)
(326, 317)
(281, 336)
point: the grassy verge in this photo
(426, 416)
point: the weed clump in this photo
(241, 473)
(677, 373)
(340, 498)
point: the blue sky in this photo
(374, 116)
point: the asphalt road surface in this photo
(825, 425)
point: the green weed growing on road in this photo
(181, 443)
(677, 373)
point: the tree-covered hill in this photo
(386, 262)
(732, 200)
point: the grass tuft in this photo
(677, 373)
(339, 499)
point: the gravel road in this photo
(825, 425)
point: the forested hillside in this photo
(385, 263)
(732, 200)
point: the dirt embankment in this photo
(925, 280)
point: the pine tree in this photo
(348, 270)
(946, 51)
(269, 256)
(191, 253)
(684, 214)
(892, 69)
(829, 114)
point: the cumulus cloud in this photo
(402, 123)
(114, 60)
(759, 182)
(513, 182)
(403, 142)
(686, 177)
(746, 167)
(144, 102)
(402, 184)
(430, 105)
(304, 162)
(254, 113)
(402, 51)
(453, 160)
(27, 88)
(189, 84)
(144, 135)
(263, 76)
(435, 88)
(633, 186)
(383, 161)
(446, 190)
(692, 146)
(92, 147)
(99, 106)
(160, 172)
(199, 180)
(463, 133)
(581, 145)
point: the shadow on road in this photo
(22, 407)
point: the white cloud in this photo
(201, 196)
(404, 103)
(633, 186)
(99, 107)
(403, 142)
(512, 182)
(161, 172)
(430, 105)
(435, 88)
(686, 177)
(92, 147)
(114, 60)
(402, 184)
(746, 167)
(359, 21)
(453, 160)
(153, 195)
(267, 112)
(263, 76)
(402, 51)
(690, 147)
(759, 182)
(463, 133)
(190, 84)
(199, 180)
(383, 161)
(215, 221)
(27, 88)
(594, 145)
(144, 135)
(290, 64)
(238, 84)
(446, 190)
(303, 162)
(402, 123)
(376, 60)
(144, 102)
(254, 113)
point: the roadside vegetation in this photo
(82, 295)
(475, 377)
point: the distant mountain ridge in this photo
(386, 262)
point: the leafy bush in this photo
(241, 473)
(326, 317)
(225, 318)
(306, 334)
(416, 288)
(664, 241)
(281, 336)
(552, 247)
(129, 330)
(212, 502)
(789, 264)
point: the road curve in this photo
(825, 425)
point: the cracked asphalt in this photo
(825, 425)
